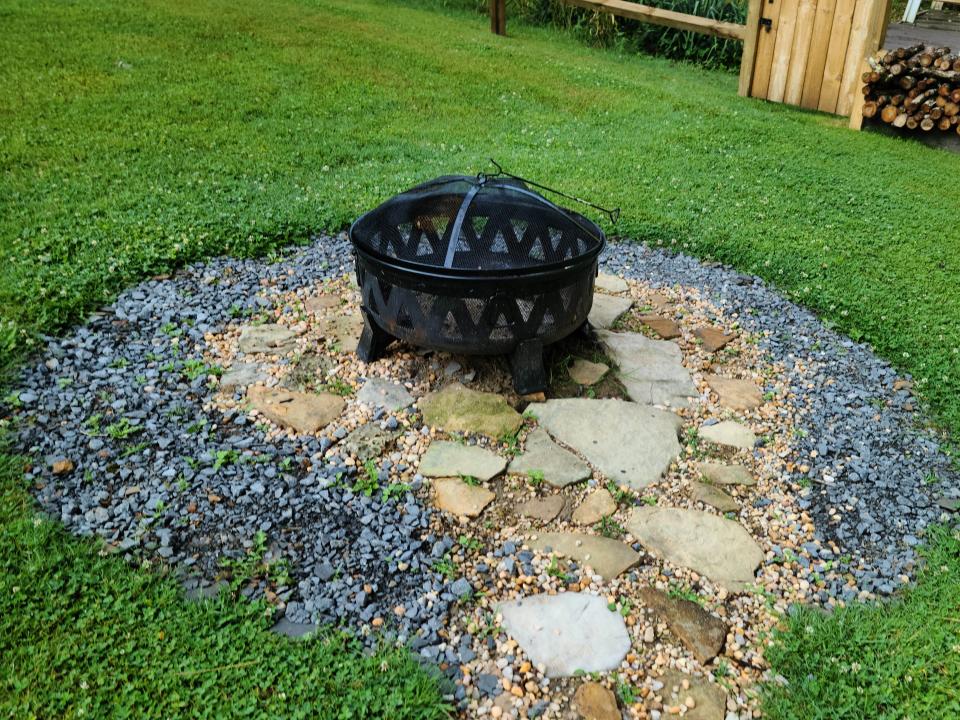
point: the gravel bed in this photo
(128, 447)
(871, 465)
(134, 442)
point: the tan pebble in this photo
(690, 703)
(377, 622)
(506, 684)
(525, 667)
(496, 711)
(517, 691)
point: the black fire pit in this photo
(475, 265)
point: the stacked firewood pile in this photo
(914, 87)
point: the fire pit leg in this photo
(526, 362)
(586, 331)
(373, 340)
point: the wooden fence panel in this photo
(836, 56)
(781, 52)
(854, 56)
(766, 42)
(817, 56)
(806, 13)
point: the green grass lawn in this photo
(138, 135)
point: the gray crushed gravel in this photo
(157, 476)
(873, 461)
(136, 492)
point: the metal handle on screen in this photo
(613, 214)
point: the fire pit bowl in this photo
(475, 265)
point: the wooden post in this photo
(749, 56)
(875, 30)
(498, 17)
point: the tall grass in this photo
(605, 30)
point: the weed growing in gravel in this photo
(536, 478)
(511, 443)
(625, 693)
(445, 566)
(224, 458)
(682, 592)
(92, 425)
(608, 527)
(369, 480)
(470, 480)
(394, 491)
(194, 368)
(469, 543)
(337, 387)
(621, 496)
(122, 429)
(253, 565)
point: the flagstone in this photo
(714, 497)
(607, 309)
(455, 496)
(720, 474)
(629, 443)
(303, 412)
(597, 505)
(651, 370)
(543, 509)
(662, 326)
(714, 546)
(610, 283)
(456, 408)
(568, 633)
(608, 557)
(451, 459)
(729, 433)
(703, 634)
(559, 466)
(584, 372)
(735, 394)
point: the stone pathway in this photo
(532, 542)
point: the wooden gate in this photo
(811, 53)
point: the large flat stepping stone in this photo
(729, 433)
(651, 370)
(701, 633)
(733, 393)
(543, 510)
(459, 409)
(716, 547)
(559, 466)
(567, 633)
(377, 393)
(610, 283)
(455, 496)
(709, 700)
(597, 505)
(608, 558)
(630, 444)
(241, 374)
(712, 338)
(304, 412)
(720, 474)
(607, 309)
(714, 497)
(450, 459)
(318, 304)
(269, 338)
(584, 372)
(662, 326)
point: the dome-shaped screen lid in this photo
(484, 223)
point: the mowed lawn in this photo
(138, 135)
